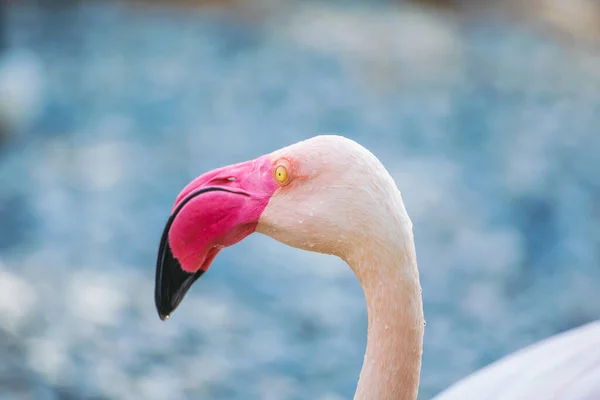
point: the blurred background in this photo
(488, 117)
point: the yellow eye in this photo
(281, 174)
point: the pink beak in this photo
(216, 210)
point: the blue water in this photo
(490, 130)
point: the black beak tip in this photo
(163, 308)
(162, 316)
(172, 282)
(168, 277)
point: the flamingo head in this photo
(318, 195)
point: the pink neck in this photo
(392, 363)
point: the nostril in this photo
(223, 180)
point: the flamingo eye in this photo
(283, 171)
(281, 174)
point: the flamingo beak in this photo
(216, 210)
(172, 281)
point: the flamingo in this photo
(328, 194)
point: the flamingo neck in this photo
(390, 280)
